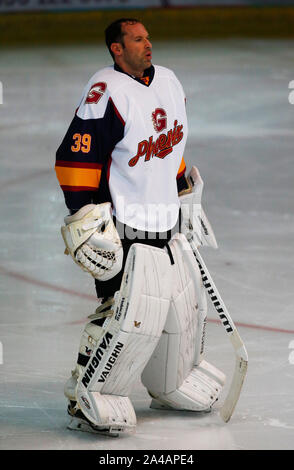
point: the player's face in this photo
(136, 55)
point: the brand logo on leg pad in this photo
(96, 358)
(111, 361)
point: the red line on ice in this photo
(64, 290)
(46, 285)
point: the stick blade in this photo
(235, 389)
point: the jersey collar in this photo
(147, 76)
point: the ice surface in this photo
(241, 138)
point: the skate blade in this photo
(77, 424)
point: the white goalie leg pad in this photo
(177, 376)
(129, 339)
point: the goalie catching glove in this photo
(92, 241)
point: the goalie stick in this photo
(237, 343)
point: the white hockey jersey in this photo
(126, 144)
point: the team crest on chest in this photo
(159, 119)
(159, 148)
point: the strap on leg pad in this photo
(176, 376)
(92, 333)
(129, 338)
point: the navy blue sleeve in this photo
(83, 157)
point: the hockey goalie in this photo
(122, 171)
(152, 329)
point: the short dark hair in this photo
(113, 32)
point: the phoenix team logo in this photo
(165, 142)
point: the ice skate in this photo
(79, 422)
